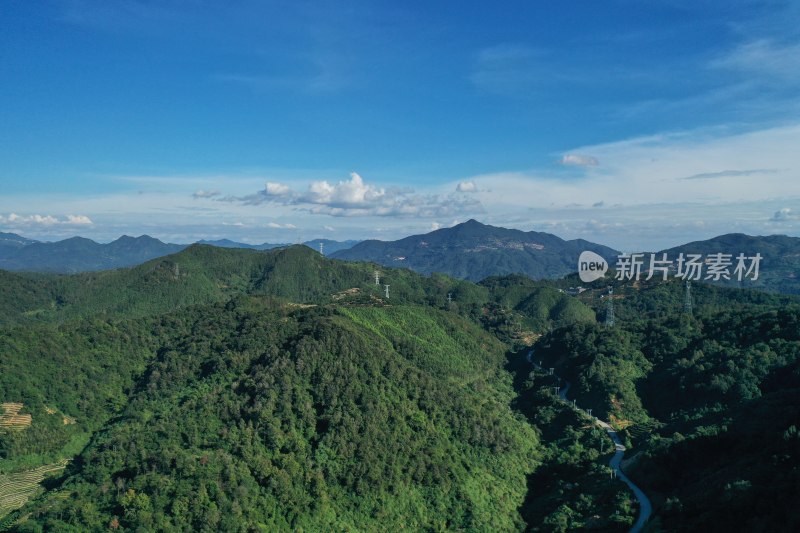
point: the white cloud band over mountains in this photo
(356, 198)
(645, 190)
(22, 221)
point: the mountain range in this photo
(471, 251)
(221, 389)
(780, 264)
(78, 254)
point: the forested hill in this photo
(204, 274)
(243, 390)
(250, 416)
(780, 266)
(706, 400)
(78, 254)
(240, 390)
(475, 251)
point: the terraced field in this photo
(10, 417)
(17, 488)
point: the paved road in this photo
(645, 507)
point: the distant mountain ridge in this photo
(472, 251)
(78, 254)
(475, 251)
(780, 265)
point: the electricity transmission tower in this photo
(387, 291)
(449, 298)
(377, 278)
(321, 247)
(610, 308)
(687, 302)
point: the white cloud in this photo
(328, 228)
(764, 57)
(205, 194)
(467, 186)
(578, 160)
(15, 220)
(356, 198)
(345, 194)
(730, 173)
(78, 220)
(275, 225)
(277, 189)
(785, 214)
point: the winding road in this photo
(645, 507)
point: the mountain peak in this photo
(473, 251)
(471, 222)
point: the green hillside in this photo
(256, 417)
(707, 398)
(280, 389)
(243, 390)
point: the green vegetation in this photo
(17, 488)
(241, 390)
(572, 490)
(273, 419)
(707, 400)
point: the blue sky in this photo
(635, 124)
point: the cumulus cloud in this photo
(78, 220)
(354, 198)
(785, 214)
(578, 160)
(353, 193)
(13, 219)
(277, 189)
(467, 186)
